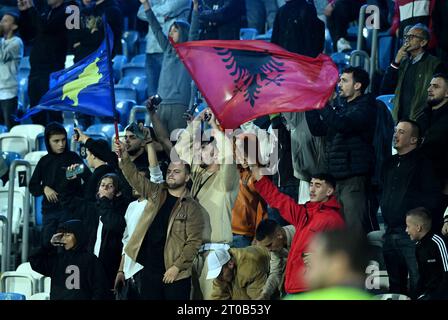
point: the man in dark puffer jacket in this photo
(349, 129)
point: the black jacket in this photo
(89, 42)
(111, 213)
(434, 125)
(220, 19)
(50, 171)
(72, 267)
(298, 29)
(349, 132)
(408, 182)
(49, 37)
(432, 258)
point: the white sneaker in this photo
(343, 45)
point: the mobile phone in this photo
(71, 173)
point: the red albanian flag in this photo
(243, 80)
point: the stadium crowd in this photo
(160, 215)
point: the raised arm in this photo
(162, 133)
(292, 212)
(137, 181)
(194, 28)
(162, 39)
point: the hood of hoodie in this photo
(184, 30)
(54, 126)
(76, 227)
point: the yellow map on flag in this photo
(89, 76)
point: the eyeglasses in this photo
(411, 36)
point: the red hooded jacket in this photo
(308, 219)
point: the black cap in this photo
(100, 149)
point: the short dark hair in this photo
(13, 14)
(354, 245)
(328, 178)
(359, 75)
(422, 214)
(444, 76)
(416, 128)
(265, 229)
(54, 129)
(186, 165)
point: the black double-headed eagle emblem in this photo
(251, 71)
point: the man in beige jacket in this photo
(168, 234)
(238, 273)
(215, 186)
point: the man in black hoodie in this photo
(349, 127)
(408, 181)
(434, 123)
(432, 256)
(75, 274)
(49, 179)
(49, 35)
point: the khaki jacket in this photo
(251, 273)
(186, 225)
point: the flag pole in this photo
(111, 78)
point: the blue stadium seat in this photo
(38, 210)
(142, 46)
(118, 62)
(10, 156)
(139, 60)
(108, 129)
(130, 39)
(11, 296)
(23, 94)
(265, 36)
(133, 70)
(341, 60)
(123, 108)
(3, 129)
(248, 33)
(25, 63)
(40, 142)
(125, 92)
(139, 114)
(387, 99)
(139, 84)
(23, 73)
(97, 136)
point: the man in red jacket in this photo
(319, 214)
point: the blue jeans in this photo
(400, 260)
(260, 12)
(153, 66)
(240, 241)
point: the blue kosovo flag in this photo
(85, 87)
